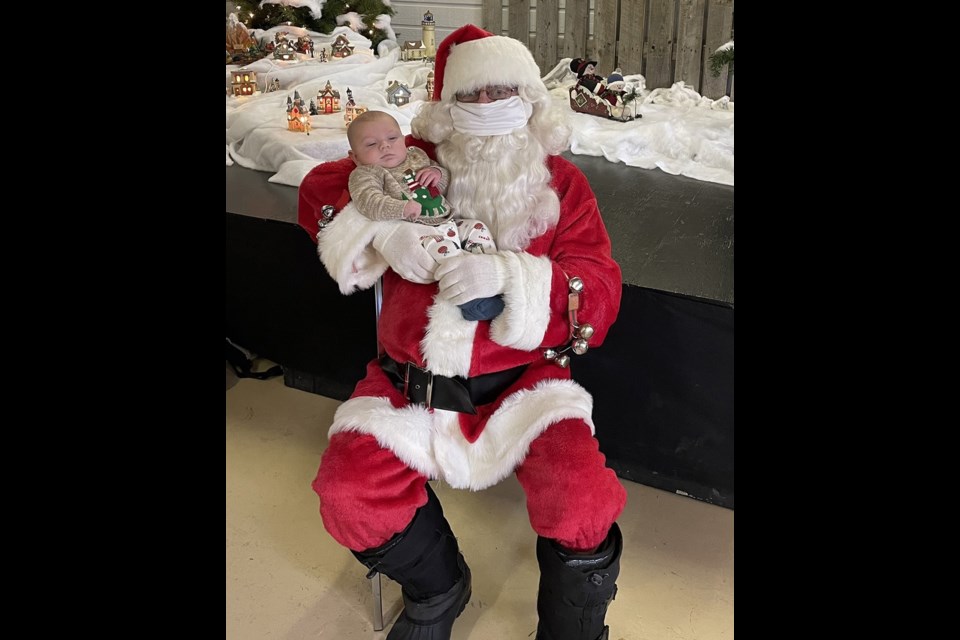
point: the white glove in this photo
(399, 244)
(470, 276)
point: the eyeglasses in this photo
(495, 92)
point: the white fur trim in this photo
(486, 61)
(345, 250)
(433, 444)
(527, 302)
(447, 344)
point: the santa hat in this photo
(470, 58)
(579, 65)
(616, 76)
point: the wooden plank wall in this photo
(665, 40)
(718, 30)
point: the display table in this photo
(662, 382)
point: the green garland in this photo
(719, 59)
(272, 15)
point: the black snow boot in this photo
(425, 560)
(575, 589)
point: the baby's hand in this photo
(428, 176)
(411, 210)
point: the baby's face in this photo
(378, 142)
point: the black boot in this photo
(575, 589)
(435, 580)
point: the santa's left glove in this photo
(470, 276)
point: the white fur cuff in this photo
(345, 251)
(527, 302)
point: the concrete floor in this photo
(287, 578)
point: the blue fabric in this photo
(482, 308)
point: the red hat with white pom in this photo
(470, 58)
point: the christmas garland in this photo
(720, 58)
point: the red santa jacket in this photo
(472, 451)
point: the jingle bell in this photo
(576, 284)
(580, 346)
(585, 331)
(563, 361)
(550, 354)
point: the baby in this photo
(393, 182)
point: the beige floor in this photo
(287, 579)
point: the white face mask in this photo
(491, 118)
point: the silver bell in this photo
(585, 331)
(550, 354)
(576, 284)
(580, 346)
(563, 361)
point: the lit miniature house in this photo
(244, 83)
(341, 47)
(304, 44)
(429, 36)
(398, 93)
(298, 118)
(413, 50)
(283, 49)
(351, 110)
(328, 99)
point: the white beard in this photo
(503, 181)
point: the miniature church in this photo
(328, 99)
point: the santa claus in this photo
(470, 402)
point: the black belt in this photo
(452, 394)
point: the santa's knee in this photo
(366, 494)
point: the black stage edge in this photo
(662, 383)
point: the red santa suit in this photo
(383, 448)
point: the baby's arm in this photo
(366, 186)
(430, 174)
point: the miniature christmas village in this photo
(326, 102)
(594, 95)
(243, 49)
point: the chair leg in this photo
(377, 602)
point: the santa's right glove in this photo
(399, 244)
(470, 276)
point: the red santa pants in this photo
(367, 495)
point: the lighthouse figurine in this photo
(429, 36)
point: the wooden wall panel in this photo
(718, 30)
(632, 27)
(492, 19)
(518, 20)
(545, 50)
(604, 47)
(658, 52)
(689, 43)
(575, 29)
